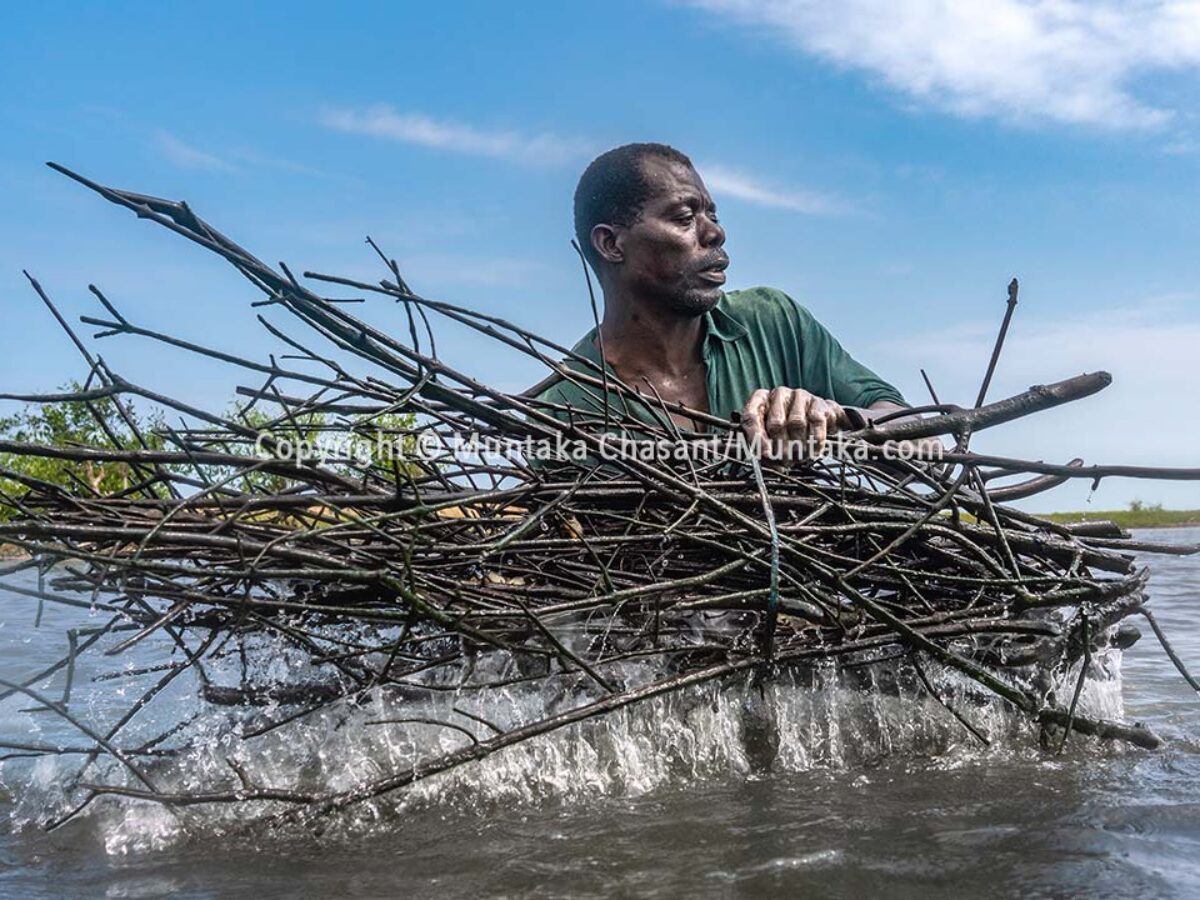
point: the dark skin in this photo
(659, 276)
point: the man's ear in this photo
(607, 242)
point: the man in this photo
(649, 229)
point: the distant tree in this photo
(74, 423)
(96, 423)
(374, 440)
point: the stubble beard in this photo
(695, 301)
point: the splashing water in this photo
(822, 718)
(870, 790)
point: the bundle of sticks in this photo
(608, 577)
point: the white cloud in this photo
(1070, 61)
(1143, 418)
(416, 128)
(549, 149)
(1181, 147)
(188, 157)
(733, 183)
(255, 159)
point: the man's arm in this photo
(785, 416)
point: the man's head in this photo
(647, 225)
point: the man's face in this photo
(674, 252)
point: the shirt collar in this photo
(718, 325)
(722, 326)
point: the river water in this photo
(864, 797)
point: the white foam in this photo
(709, 731)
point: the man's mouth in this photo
(715, 273)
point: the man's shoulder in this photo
(555, 387)
(548, 388)
(763, 307)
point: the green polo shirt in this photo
(756, 338)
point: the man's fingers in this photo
(818, 425)
(841, 418)
(776, 424)
(777, 411)
(836, 418)
(791, 422)
(797, 415)
(754, 417)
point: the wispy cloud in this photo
(417, 128)
(723, 181)
(1182, 147)
(255, 159)
(1069, 61)
(550, 149)
(186, 156)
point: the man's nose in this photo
(713, 234)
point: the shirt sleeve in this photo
(829, 371)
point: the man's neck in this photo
(643, 339)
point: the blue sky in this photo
(890, 165)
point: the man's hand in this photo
(791, 422)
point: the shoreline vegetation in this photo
(1145, 517)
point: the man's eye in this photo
(685, 218)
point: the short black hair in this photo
(613, 188)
